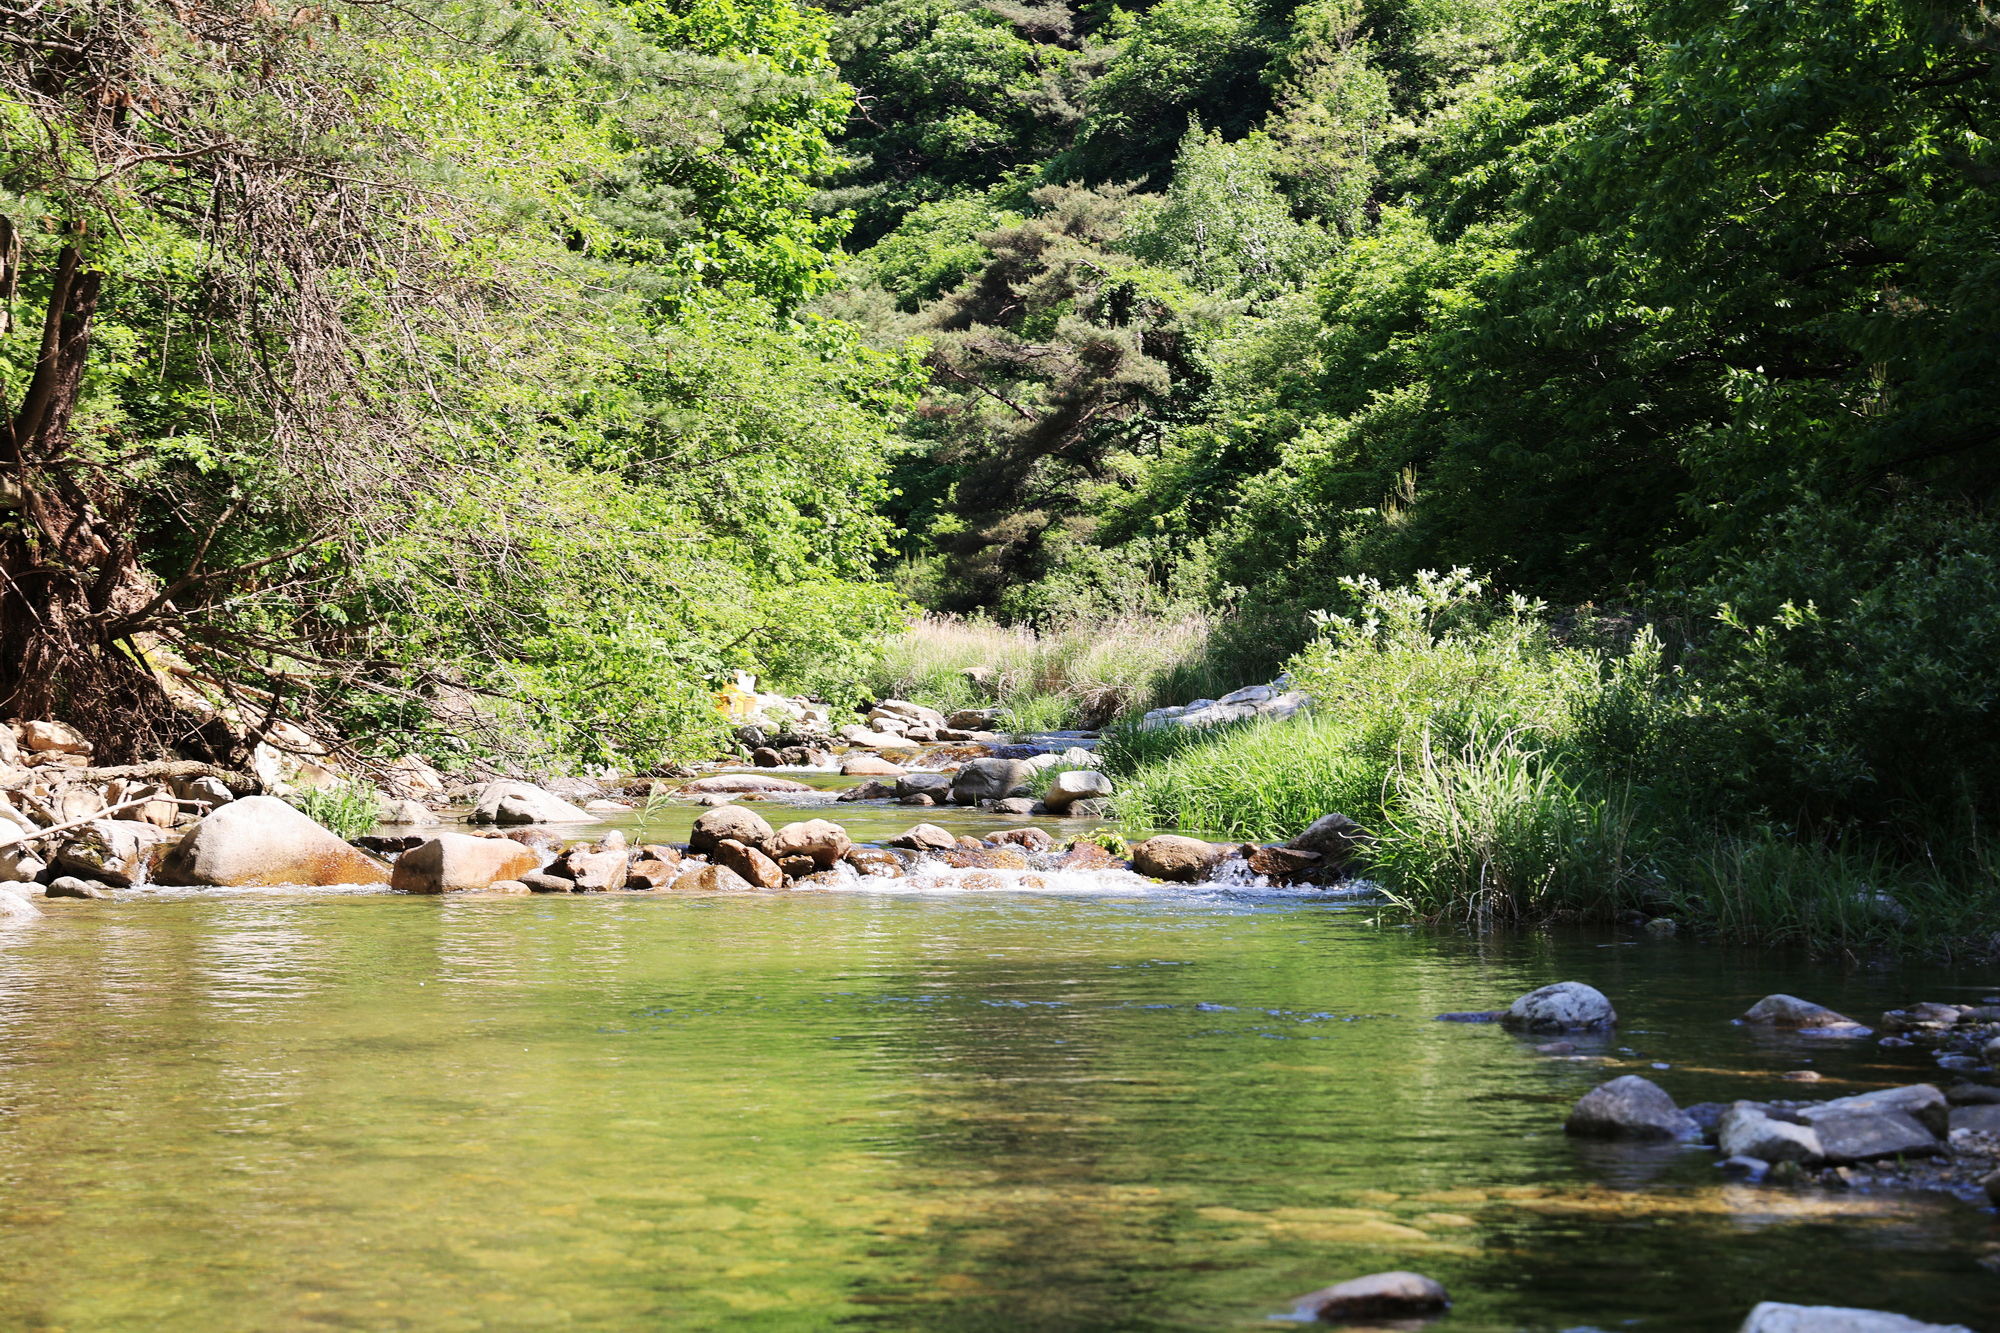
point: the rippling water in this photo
(1136, 1108)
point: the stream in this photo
(1097, 1104)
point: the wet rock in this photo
(1338, 839)
(1377, 1296)
(730, 822)
(70, 886)
(1630, 1108)
(1709, 1116)
(919, 800)
(1172, 857)
(924, 838)
(1776, 1317)
(540, 883)
(985, 858)
(748, 862)
(505, 802)
(733, 783)
(872, 790)
(1868, 1138)
(1556, 1048)
(508, 888)
(115, 851)
(1087, 855)
(869, 765)
(1280, 862)
(411, 814)
(937, 786)
(1921, 1102)
(52, 738)
(1662, 926)
(1802, 1076)
(16, 905)
(539, 838)
(713, 879)
(1018, 805)
(647, 873)
(822, 840)
(1473, 1016)
(1066, 789)
(1972, 1094)
(797, 867)
(1027, 839)
(765, 757)
(262, 840)
(873, 861)
(1788, 1011)
(1566, 1006)
(456, 862)
(1985, 1119)
(660, 851)
(989, 780)
(1747, 1131)
(592, 870)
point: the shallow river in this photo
(1128, 1108)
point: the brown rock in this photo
(872, 790)
(1172, 857)
(765, 757)
(454, 863)
(924, 838)
(741, 782)
(1336, 838)
(712, 879)
(824, 841)
(660, 851)
(261, 840)
(52, 737)
(593, 871)
(1377, 1296)
(647, 873)
(869, 765)
(875, 861)
(1090, 856)
(730, 822)
(539, 838)
(1280, 862)
(512, 888)
(1027, 839)
(752, 865)
(986, 858)
(916, 798)
(1788, 1011)
(540, 883)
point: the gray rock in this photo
(937, 786)
(1566, 1006)
(410, 814)
(112, 850)
(1377, 1296)
(505, 802)
(1920, 1101)
(990, 780)
(540, 883)
(262, 840)
(902, 710)
(924, 838)
(1788, 1011)
(1334, 837)
(1868, 1138)
(1985, 1119)
(69, 886)
(1776, 1317)
(1066, 789)
(1630, 1108)
(1017, 805)
(1973, 1094)
(19, 864)
(1747, 1131)
(15, 905)
(1752, 1169)
(212, 790)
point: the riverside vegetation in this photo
(489, 381)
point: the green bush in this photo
(1263, 780)
(348, 808)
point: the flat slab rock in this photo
(1777, 1317)
(740, 782)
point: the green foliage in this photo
(1222, 223)
(349, 809)
(1263, 781)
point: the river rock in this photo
(1335, 837)
(1027, 839)
(541, 883)
(1279, 862)
(1776, 1317)
(1377, 1296)
(506, 802)
(212, 791)
(1991, 1184)
(869, 766)
(1747, 1131)
(1630, 1108)
(1985, 1119)
(410, 814)
(1086, 855)
(116, 851)
(1972, 1094)
(750, 863)
(822, 840)
(14, 905)
(924, 838)
(937, 786)
(730, 822)
(713, 879)
(261, 840)
(741, 782)
(766, 757)
(53, 738)
(648, 873)
(1922, 1102)
(1868, 1138)
(1017, 805)
(71, 886)
(1066, 789)
(457, 862)
(1172, 857)
(990, 780)
(902, 710)
(1788, 1011)
(972, 719)
(1566, 1006)
(594, 869)
(875, 861)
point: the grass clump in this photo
(349, 809)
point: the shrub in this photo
(350, 809)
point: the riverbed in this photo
(1144, 1107)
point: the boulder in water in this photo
(1335, 837)
(869, 766)
(1066, 789)
(712, 879)
(1748, 1130)
(741, 782)
(1788, 1011)
(1377, 1296)
(731, 822)
(924, 838)
(1172, 857)
(457, 862)
(506, 802)
(115, 851)
(1630, 1108)
(990, 780)
(1566, 1006)
(69, 886)
(1777, 1317)
(822, 840)
(261, 840)
(749, 863)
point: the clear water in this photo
(1135, 1109)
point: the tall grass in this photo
(1256, 780)
(1078, 674)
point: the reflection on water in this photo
(1139, 1109)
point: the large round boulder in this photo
(505, 802)
(457, 862)
(262, 840)
(1066, 789)
(990, 780)
(731, 822)
(924, 838)
(1172, 857)
(1566, 1006)
(1335, 838)
(712, 879)
(1789, 1011)
(1630, 1108)
(821, 839)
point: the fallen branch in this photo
(239, 784)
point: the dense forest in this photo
(492, 378)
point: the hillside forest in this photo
(1591, 403)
